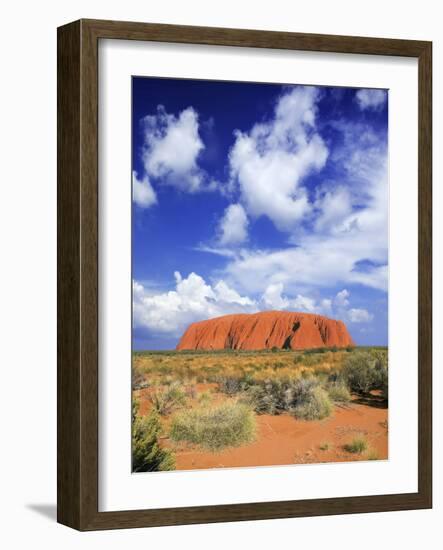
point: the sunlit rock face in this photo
(266, 330)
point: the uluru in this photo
(266, 330)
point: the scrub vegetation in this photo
(214, 400)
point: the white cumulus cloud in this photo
(334, 206)
(233, 227)
(270, 161)
(272, 297)
(142, 192)
(304, 303)
(351, 226)
(359, 316)
(371, 99)
(193, 299)
(227, 295)
(341, 298)
(172, 145)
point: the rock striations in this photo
(265, 330)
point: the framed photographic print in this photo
(244, 275)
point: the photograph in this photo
(259, 274)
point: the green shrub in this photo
(227, 425)
(138, 379)
(229, 384)
(265, 398)
(321, 376)
(165, 401)
(313, 404)
(339, 392)
(357, 446)
(232, 385)
(359, 372)
(135, 406)
(367, 370)
(381, 371)
(304, 398)
(147, 456)
(325, 446)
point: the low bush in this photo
(357, 446)
(324, 446)
(165, 401)
(381, 371)
(264, 398)
(365, 371)
(312, 404)
(231, 385)
(138, 379)
(339, 392)
(147, 455)
(227, 425)
(304, 398)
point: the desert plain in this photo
(200, 409)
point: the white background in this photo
(28, 275)
(118, 489)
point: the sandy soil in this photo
(284, 440)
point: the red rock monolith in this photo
(266, 330)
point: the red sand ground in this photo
(284, 440)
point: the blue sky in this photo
(248, 197)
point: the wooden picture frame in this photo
(78, 274)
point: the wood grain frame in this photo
(77, 406)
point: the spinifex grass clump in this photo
(269, 396)
(139, 380)
(147, 456)
(357, 446)
(367, 370)
(339, 392)
(230, 385)
(310, 402)
(303, 398)
(215, 428)
(165, 401)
